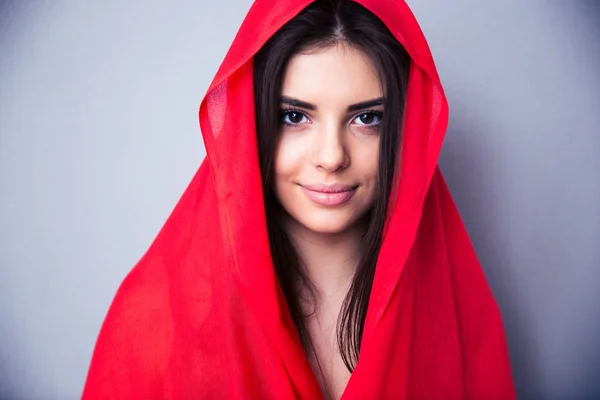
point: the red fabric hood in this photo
(202, 315)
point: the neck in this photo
(329, 260)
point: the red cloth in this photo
(202, 316)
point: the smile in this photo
(329, 195)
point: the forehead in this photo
(338, 75)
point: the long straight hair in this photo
(325, 23)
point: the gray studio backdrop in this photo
(99, 137)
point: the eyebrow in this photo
(353, 107)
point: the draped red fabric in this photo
(202, 315)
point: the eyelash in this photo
(286, 111)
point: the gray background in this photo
(99, 137)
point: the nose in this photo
(329, 151)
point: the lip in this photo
(329, 195)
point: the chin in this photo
(313, 219)
(326, 225)
(326, 229)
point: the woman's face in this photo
(327, 157)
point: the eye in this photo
(292, 117)
(370, 118)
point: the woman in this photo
(317, 253)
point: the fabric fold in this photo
(202, 314)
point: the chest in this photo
(325, 357)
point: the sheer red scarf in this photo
(202, 315)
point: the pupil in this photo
(295, 117)
(366, 118)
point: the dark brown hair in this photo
(322, 24)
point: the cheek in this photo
(282, 163)
(366, 160)
(288, 158)
(285, 168)
(367, 164)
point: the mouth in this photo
(333, 195)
